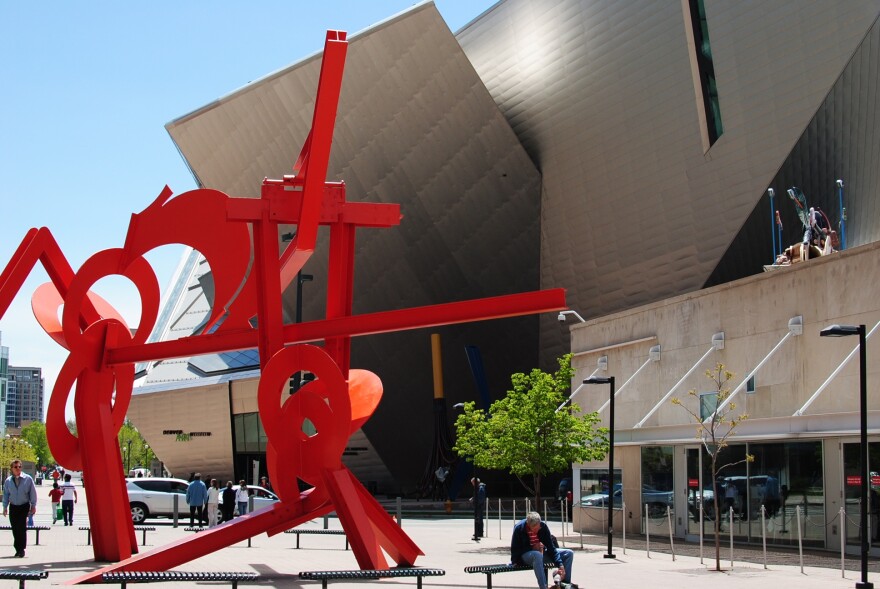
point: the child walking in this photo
(55, 496)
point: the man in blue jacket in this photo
(196, 497)
(532, 544)
(20, 501)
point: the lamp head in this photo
(840, 330)
(598, 380)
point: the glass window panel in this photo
(594, 487)
(657, 483)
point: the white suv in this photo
(154, 497)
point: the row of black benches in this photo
(124, 577)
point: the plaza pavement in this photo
(446, 543)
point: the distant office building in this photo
(24, 395)
(4, 377)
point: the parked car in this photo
(262, 497)
(657, 500)
(154, 497)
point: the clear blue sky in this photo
(87, 88)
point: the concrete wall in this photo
(754, 315)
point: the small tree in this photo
(530, 432)
(15, 449)
(35, 434)
(714, 431)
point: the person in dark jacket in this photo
(227, 502)
(532, 545)
(479, 500)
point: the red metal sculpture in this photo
(103, 350)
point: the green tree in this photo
(713, 431)
(35, 434)
(15, 448)
(531, 432)
(135, 450)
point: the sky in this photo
(87, 88)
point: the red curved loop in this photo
(324, 402)
(65, 446)
(108, 263)
(46, 302)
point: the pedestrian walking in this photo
(227, 502)
(55, 497)
(68, 498)
(213, 503)
(19, 501)
(196, 497)
(241, 497)
(479, 500)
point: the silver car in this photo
(154, 497)
(261, 497)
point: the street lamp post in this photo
(610, 381)
(296, 380)
(859, 330)
(128, 458)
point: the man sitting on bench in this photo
(532, 543)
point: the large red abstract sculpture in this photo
(231, 233)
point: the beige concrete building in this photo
(799, 390)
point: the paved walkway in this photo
(447, 544)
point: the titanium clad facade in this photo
(601, 93)
(415, 126)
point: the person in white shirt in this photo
(241, 497)
(68, 498)
(213, 503)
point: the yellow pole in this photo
(437, 357)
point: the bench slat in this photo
(494, 569)
(371, 574)
(124, 577)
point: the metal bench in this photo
(299, 531)
(22, 576)
(371, 575)
(197, 529)
(124, 577)
(38, 529)
(143, 529)
(494, 569)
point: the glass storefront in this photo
(594, 494)
(852, 492)
(657, 490)
(759, 499)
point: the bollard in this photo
(513, 510)
(647, 533)
(842, 514)
(545, 511)
(671, 539)
(499, 518)
(797, 514)
(623, 527)
(730, 530)
(400, 511)
(326, 522)
(175, 499)
(701, 529)
(486, 518)
(763, 537)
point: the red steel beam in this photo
(542, 301)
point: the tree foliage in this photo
(135, 450)
(15, 448)
(527, 433)
(714, 432)
(35, 434)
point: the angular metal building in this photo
(621, 150)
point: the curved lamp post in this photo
(609, 380)
(859, 330)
